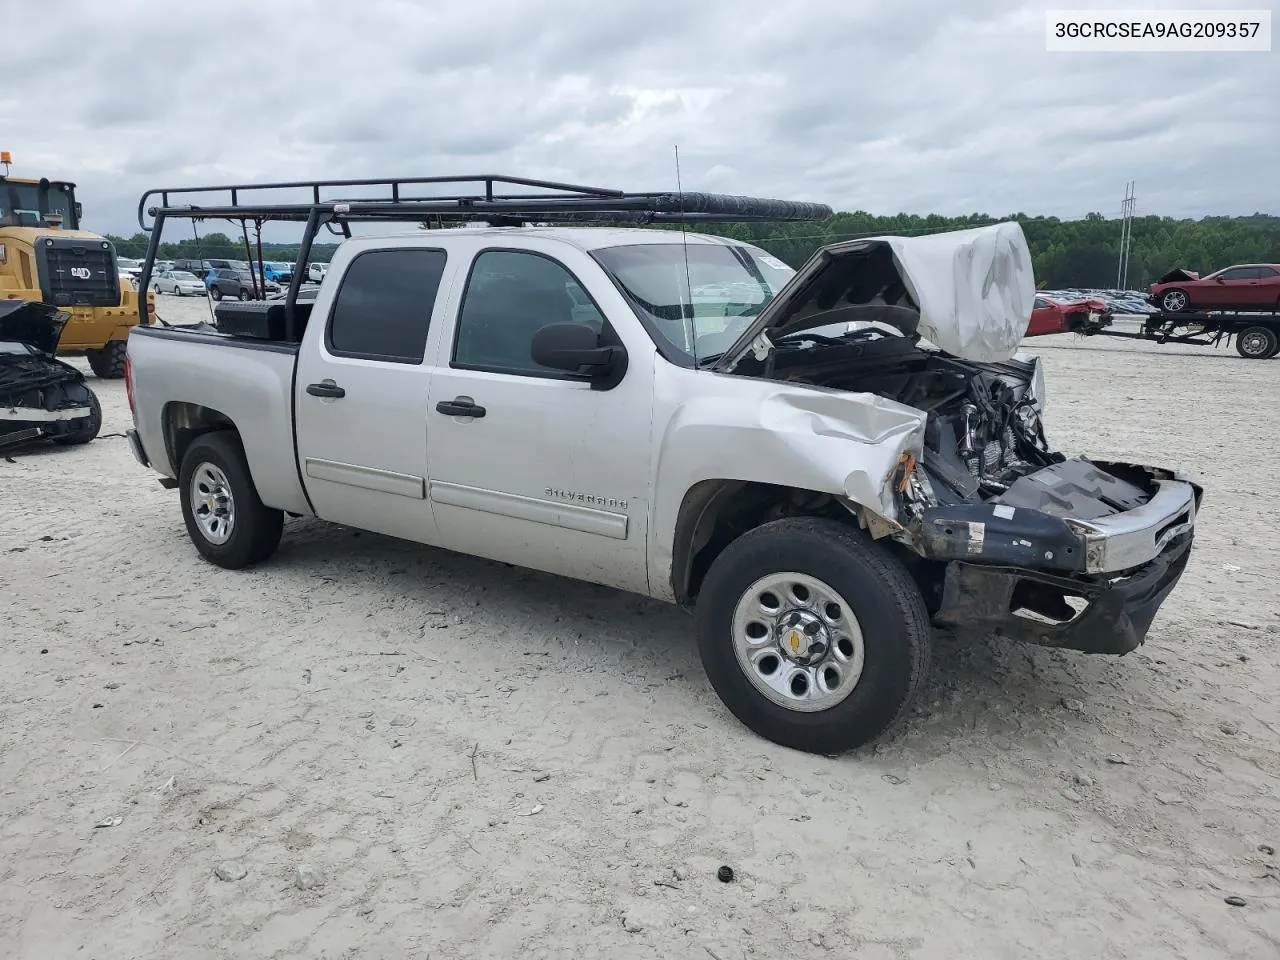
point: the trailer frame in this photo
(1256, 333)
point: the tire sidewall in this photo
(224, 452)
(1270, 339)
(891, 640)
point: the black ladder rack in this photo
(494, 198)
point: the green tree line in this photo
(1065, 253)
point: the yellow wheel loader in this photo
(45, 257)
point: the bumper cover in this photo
(1104, 616)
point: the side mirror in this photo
(576, 347)
(1221, 279)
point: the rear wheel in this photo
(814, 636)
(1174, 301)
(84, 429)
(108, 363)
(1257, 343)
(226, 520)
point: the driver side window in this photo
(510, 296)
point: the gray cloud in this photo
(922, 107)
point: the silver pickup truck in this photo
(822, 464)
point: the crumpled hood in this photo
(38, 325)
(968, 292)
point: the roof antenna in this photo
(691, 330)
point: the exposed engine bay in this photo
(984, 430)
(41, 397)
(984, 440)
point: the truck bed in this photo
(197, 374)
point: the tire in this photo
(875, 595)
(177, 292)
(86, 428)
(215, 292)
(251, 530)
(108, 363)
(245, 295)
(1175, 301)
(1257, 343)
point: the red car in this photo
(1246, 286)
(1067, 316)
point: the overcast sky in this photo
(920, 107)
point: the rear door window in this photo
(384, 303)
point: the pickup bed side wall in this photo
(718, 426)
(250, 385)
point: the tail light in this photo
(128, 381)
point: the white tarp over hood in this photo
(968, 292)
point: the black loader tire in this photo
(84, 429)
(256, 530)
(1257, 343)
(891, 614)
(108, 363)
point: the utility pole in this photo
(1126, 234)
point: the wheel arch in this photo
(183, 422)
(715, 512)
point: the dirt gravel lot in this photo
(472, 760)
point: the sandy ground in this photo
(478, 761)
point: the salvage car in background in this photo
(237, 284)
(1067, 316)
(41, 398)
(818, 495)
(1246, 286)
(178, 282)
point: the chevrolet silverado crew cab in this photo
(822, 465)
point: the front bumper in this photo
(1107, 615)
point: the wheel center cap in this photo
(802, 637)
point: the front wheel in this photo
(226, 519)
(1174, 301)
(814, 636)
(245, 295)
(215, 292)
(1257, 343)
(108, 362)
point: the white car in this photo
(316, 271)
(178, 282)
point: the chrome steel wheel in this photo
(798, 642)
(212, 504)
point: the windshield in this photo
(27, 205)
(730, 284)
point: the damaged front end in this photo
(1026, 543)
(41, 398)
(1003, 534)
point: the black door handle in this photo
(460, 407)
(326, 388)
